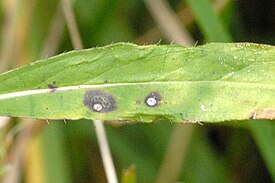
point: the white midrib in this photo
(67, 88)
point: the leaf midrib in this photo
(67, 88)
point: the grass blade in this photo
(264, 133)
(209, 23)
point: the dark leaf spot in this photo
(52, 86)
(94, 98)
(154, 96)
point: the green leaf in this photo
(211, 83)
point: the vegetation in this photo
(46, 150)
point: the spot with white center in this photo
(151, 101)
(99, 101)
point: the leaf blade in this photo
(216, 82)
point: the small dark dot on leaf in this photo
(138, 102)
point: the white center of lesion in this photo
(151, 101)
(98, 107)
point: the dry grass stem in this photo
(55, 34)
(16, 156)
(168, 22)
(175, 153)
(72, 25)
(105, 152)
(186, 17)
(7, 33)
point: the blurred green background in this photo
(34, 151)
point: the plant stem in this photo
(72, 25)
(105, 152)
(175, 154)
(168, 22)
(55, 34)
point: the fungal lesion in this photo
(52, 85)
(99, 101)
(153, 99)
